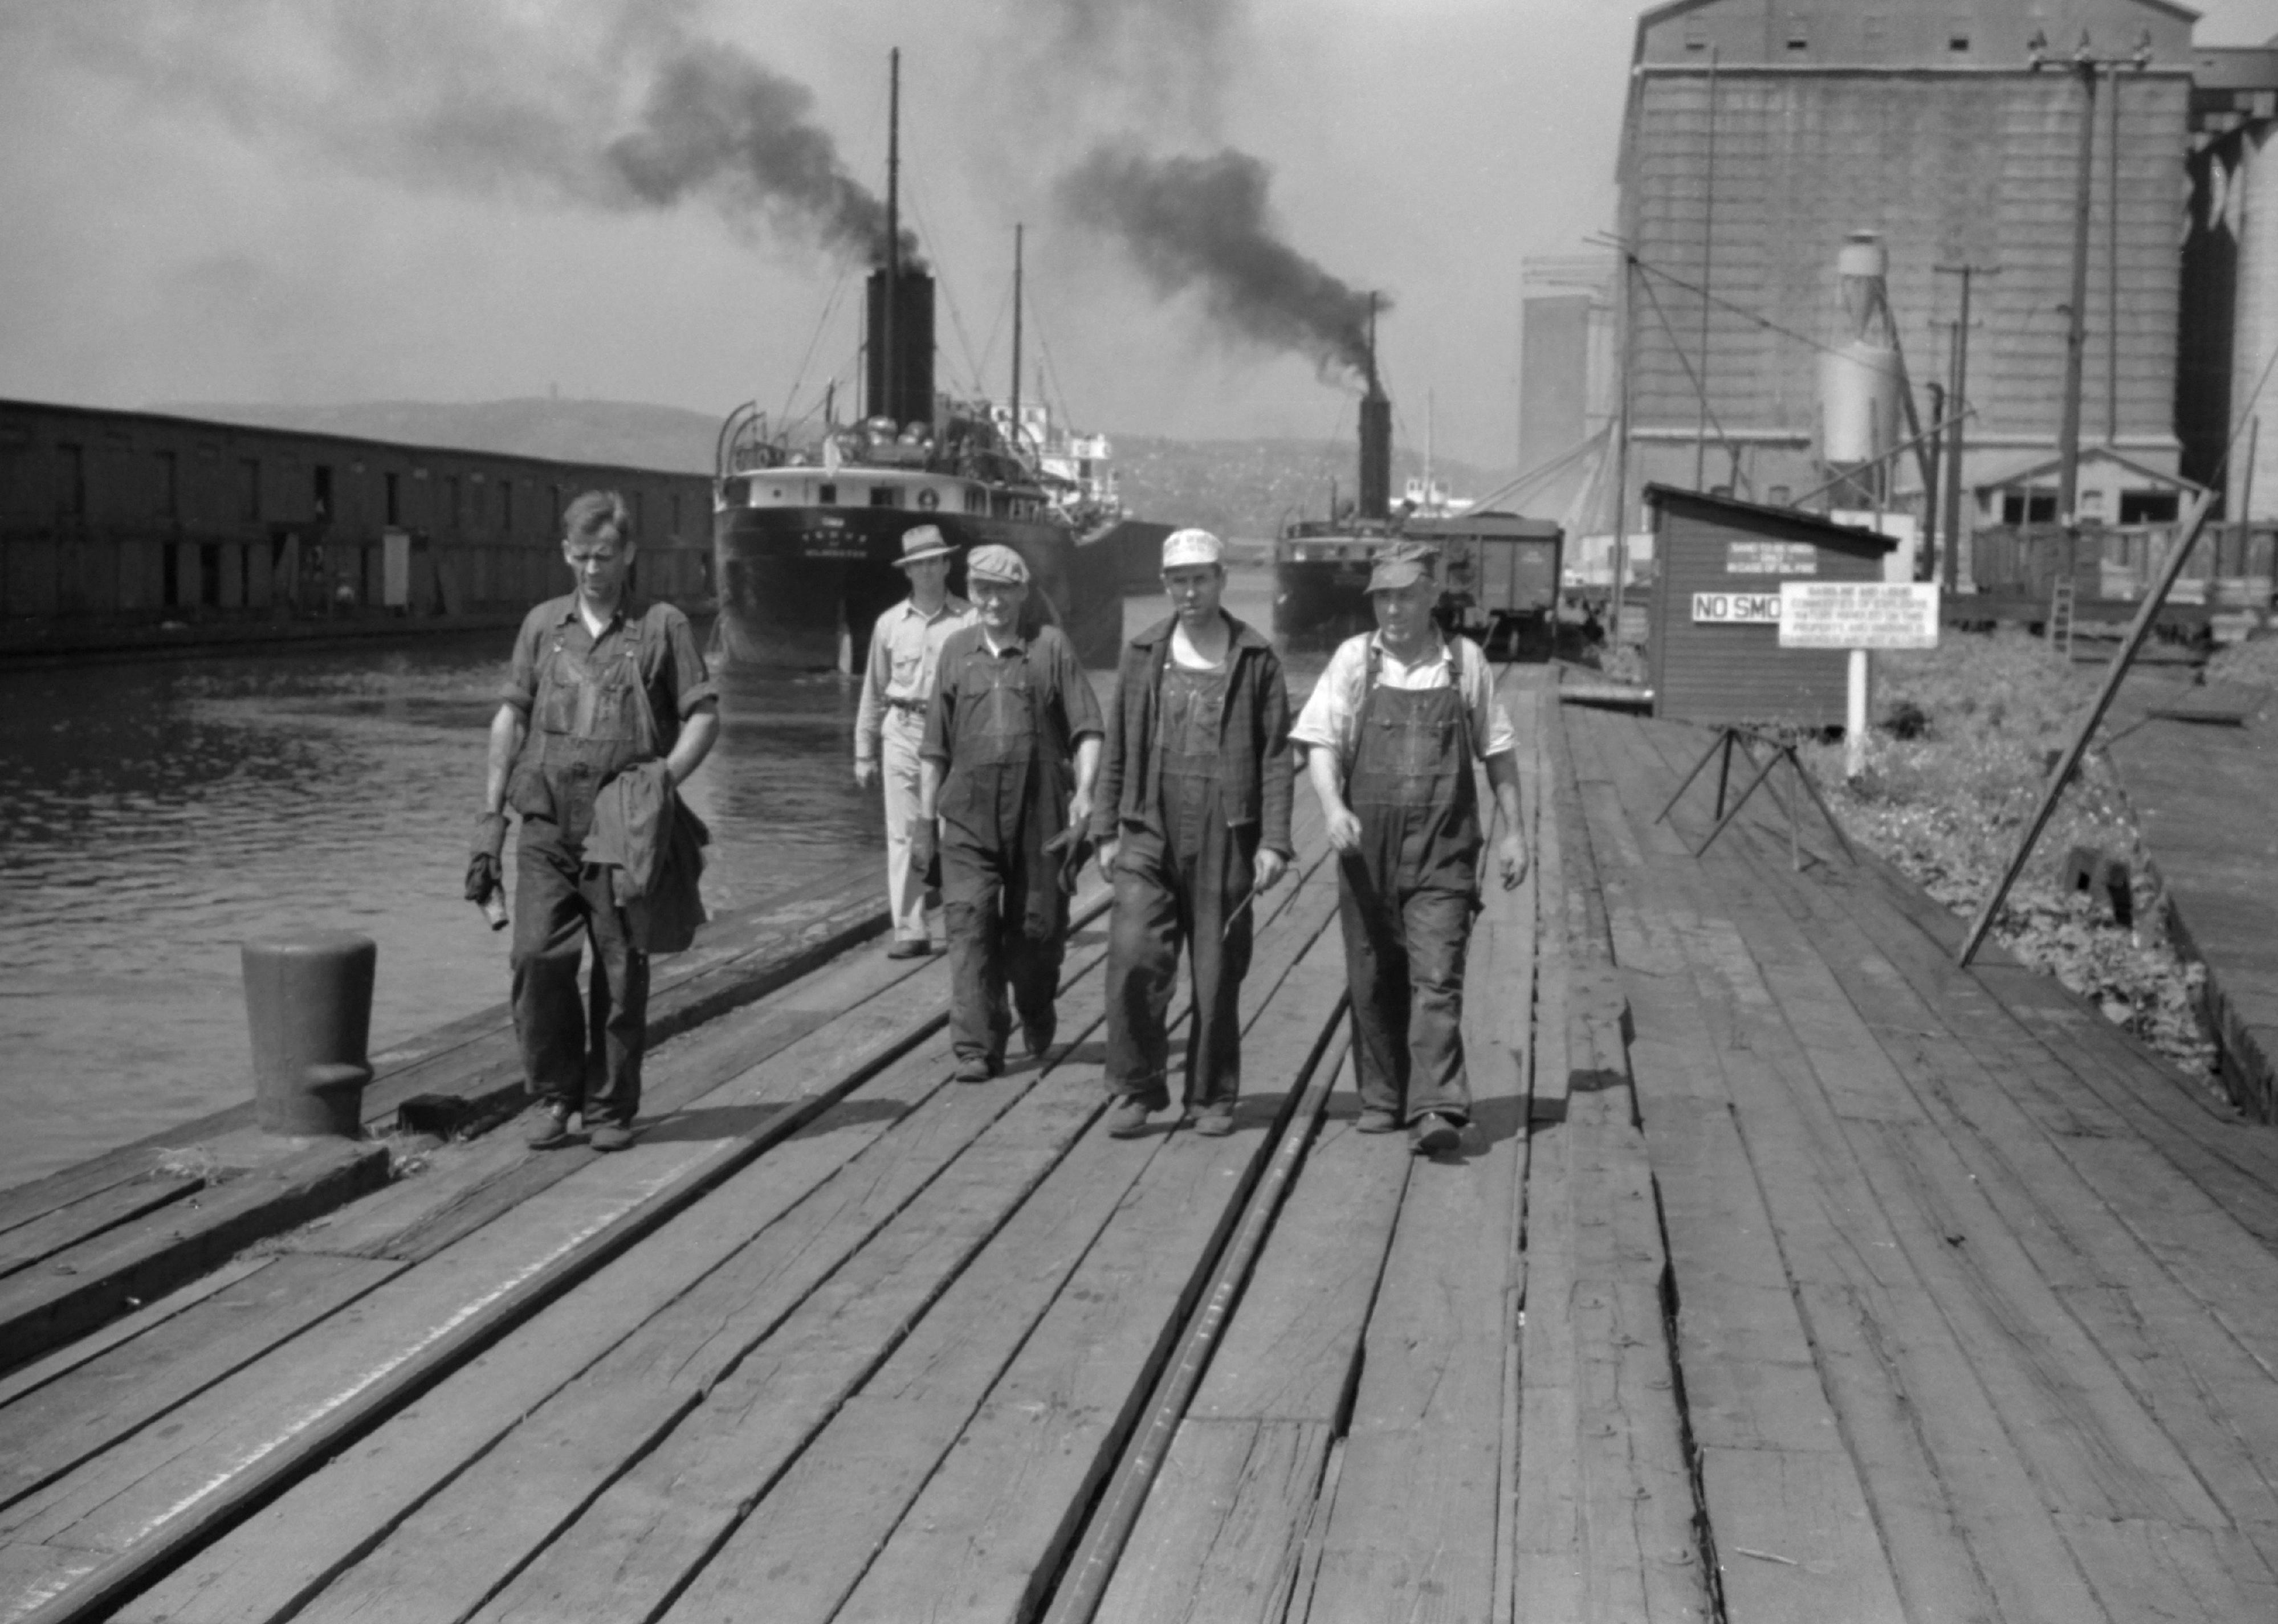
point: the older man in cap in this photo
(1192, 818)
(1391, 732)
(1010, 748)
(897, 684)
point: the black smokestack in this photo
(897, 382)
(717, 123)
(1204, 224)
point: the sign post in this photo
(1860, 616)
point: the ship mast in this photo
(893, 230)
(1016, 232)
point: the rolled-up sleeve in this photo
(1489, 720)
(692, 678)
(520, 690)
(1327, 720)
(1078, 703)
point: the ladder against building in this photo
(2061, 604)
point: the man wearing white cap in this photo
(890, 726)
(1010, 748)
(1192, 818)
(1391, 731)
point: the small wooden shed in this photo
(1714, 649)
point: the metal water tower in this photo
(1862, 385)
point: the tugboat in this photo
(805, 536)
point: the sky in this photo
(326, 200)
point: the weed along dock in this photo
(1787, 1272)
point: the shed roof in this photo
(2027, 465)
(1789, 521)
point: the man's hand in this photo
(1344, 832)
(922, 841)
(1266, 869)
(484, 874)
(1079, 809)
(1510, 855)
(1106, 851)
(866, 771)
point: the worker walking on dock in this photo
(1192, 819)
(603, 685)
(1011, 749)
(898, 684)
(1391, 731)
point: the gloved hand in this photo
(484, 873)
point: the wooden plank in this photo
(90, 1216)
(63, 1360)
(1217, 1544)
(75, 1417)
(651, 1527)
(993, 1522)
(641, 1386)
(86, 1286)
(1794, 1542)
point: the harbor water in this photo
(155, 815)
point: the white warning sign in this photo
(1858, 614)
(1736, 608)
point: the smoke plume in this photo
(1204, 224)
(615, 104)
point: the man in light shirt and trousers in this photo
(897, 682)
(1391, 731)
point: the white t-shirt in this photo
(1333, 707)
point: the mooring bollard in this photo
(308, 1000)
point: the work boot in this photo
(1036, 1036)
(1215, 1121)
(1432, 1133)
(611, 1136)
(911, 948)
(975, 1069)
(1127, 1119)
(1376, 1122)
(549, 1128)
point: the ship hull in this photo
(801, 587)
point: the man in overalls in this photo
(1391, 731)
(1192, 818)
(600, 682)
(896, 691)
(1008, 714)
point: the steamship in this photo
(806, 537)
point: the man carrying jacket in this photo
(1011, 746)
(1192, 819)
(601, 684)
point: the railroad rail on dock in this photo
(1786, 1273)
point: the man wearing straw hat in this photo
(1191, 820)
(1012, 745)
(898, 685)
(1391, 731)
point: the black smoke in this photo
(717, 124)
(1205, 224)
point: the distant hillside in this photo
(664, 438)
(1234, 487)
(1249, 487)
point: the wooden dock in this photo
(1787, 1274)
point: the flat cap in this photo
(1403, 563)
(997, 562)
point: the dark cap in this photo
(1403, 563)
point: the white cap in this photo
(1182, 548)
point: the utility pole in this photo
(2086, 66)
(1924, 562)
(1957, 392)
(1707, 260)
(1622, 446)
